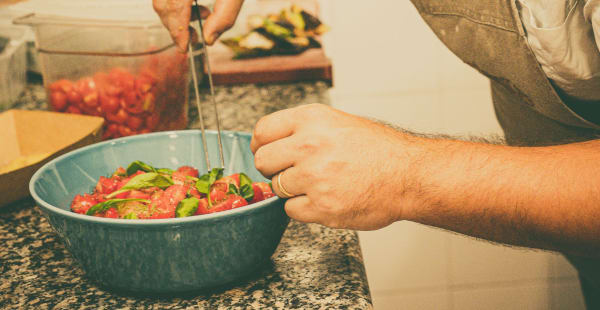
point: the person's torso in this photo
(489, 36)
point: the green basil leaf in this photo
(131, 216)
(103, 206)
(244, 179)
(215, 174)
(205, 181)
(150, 179)
(189, 177)
(247, 192)
(203, 185)
(233, 190)
(165, 171)
(187, 207)
(139, 165)
(246, 189)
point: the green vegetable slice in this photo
(150, 179)
(276, 30)
(139, 165)
(187, 207)
(103, 206)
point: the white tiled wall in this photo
(389, 65)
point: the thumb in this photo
(222, 18)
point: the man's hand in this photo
(348, 172)
(345, 171)
(176, 16)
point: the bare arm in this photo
(544, 197)
(348, 172)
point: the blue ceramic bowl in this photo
(165, 255)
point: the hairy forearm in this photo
(544, 197)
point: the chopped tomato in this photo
(218, 192)
(135, 194)
(189, 171)
(109, 104)
(267, 191)
(120, 172)
(238, 201)
(107, 185)
(58, 100)
(258, 194)
(202, 207)
(81, 204)
(111, 213)
(232, 179)
(195, 193)
(230, 202)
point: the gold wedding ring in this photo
(284, 192)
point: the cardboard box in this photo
(29, 139)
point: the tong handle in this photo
(210, 84)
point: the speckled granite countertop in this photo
(314, 267)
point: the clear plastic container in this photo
(128, 72)
(13, 66)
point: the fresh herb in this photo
(233, 190)
(203, 184)
(103, 206)
(139, 165)
(246, 189)
(131, 216)
(189, 177)
(187, 207)
(150, 179)
(205, 181)
(165, 171)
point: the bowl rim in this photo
(255, 207)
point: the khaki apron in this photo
(488, 35)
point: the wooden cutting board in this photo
(310, 65)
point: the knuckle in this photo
(305, 174)
(259, 163)
(311, 111)
(259, 130)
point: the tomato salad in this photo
(144, 192)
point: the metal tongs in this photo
(212, 93)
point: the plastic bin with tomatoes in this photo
(128, 72)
